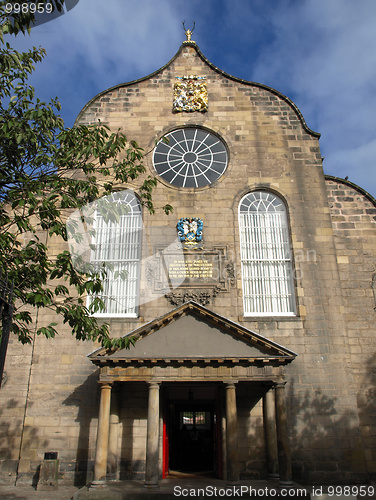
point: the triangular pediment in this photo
(192, 332)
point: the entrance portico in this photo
(193, 361)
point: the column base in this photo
(151, 486)
(229, 484)
(273, 477)
(98, 485)
(286, 484)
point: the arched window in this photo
(268, 287)
(116, 249)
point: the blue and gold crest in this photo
(190, 232)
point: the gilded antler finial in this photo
(188, 33)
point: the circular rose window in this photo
(190, 158)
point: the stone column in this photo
(284, 453)
(152, 440)
(270, 434)
(231, 434)
(224, 448)
(100, 465)
(112, 461)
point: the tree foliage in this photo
(46, 172)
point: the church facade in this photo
(253, 304)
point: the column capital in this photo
(154, 385)
(230, 383)
(105, 385)
(280, 384)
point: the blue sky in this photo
(320, 53)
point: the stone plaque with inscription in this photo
(192, 269)
(199, 271)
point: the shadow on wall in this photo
(11, 431)
(133, 411)
(328, 442)
(252, 453)
(130, 409)
(325, 440)
(366, 399)
(86, 398)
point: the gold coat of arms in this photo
(190, 94)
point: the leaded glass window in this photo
(116, 249)
(268, 287)
(190, 157)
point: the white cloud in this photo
(120, 33)
(358, 163)
(324, 58)
(120, 38)
(100, 44)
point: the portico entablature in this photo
(194, 373)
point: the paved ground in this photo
(172, 488)
(134, 490)
(29, 493)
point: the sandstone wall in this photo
(333, 248)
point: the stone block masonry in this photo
(51, 399)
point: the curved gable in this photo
(259, 94)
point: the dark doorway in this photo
(192, 429)
(192, 438)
